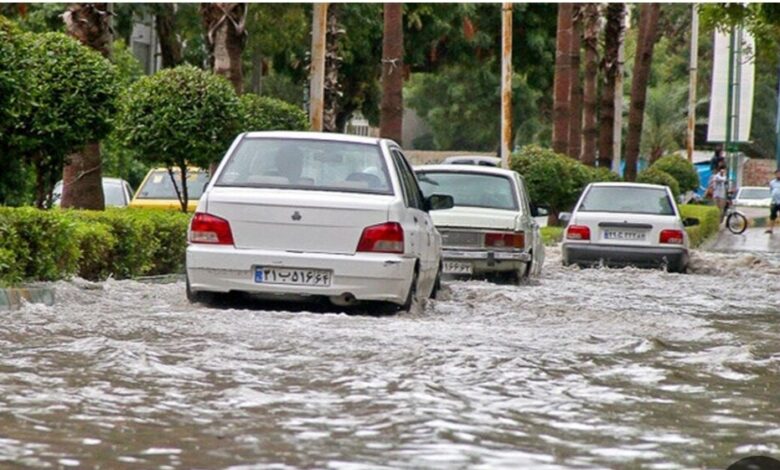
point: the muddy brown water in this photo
(580, 369)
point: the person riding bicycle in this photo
(719, 184)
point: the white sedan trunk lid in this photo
(297, 220)
(475, 218)
(625, 229)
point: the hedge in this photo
(38, 245)
(551, 235)
(709, 222)
(680, 169)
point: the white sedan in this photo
(490, 229)
(753, 196)
(312, 214)
(622, 224)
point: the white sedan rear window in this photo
(470, 189)
(307, 164)
(632, 200)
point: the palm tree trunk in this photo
(613, 37)
(226, 36)
(165, 23)
(562, 80)
(82, 176)
(590, 93)
(333, 61)
(575, 115)
(391, 117)
(648, 27)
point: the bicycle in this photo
(736, 221)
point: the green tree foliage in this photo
(262, 113)
(680, 169)
(71, 91)
(555, 179)
(179, 117)
(653, 175)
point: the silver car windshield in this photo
(470, 189)
(633, 200)
(307, 164)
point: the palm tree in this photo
(575, 94)
(226, 37)
(333, 60)
(613, 37)
(562, 79)
(391, 117)
(648, 27)
(82, 176)
(590, 14)
(665, 122)
(165, 24)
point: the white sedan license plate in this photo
(623, 235)
(452, 267)
(293, 276)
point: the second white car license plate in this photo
(623, 235)
(293, 276)
(453, 267)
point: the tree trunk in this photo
(391, 117)
(82, 176)
(613, 37)
(257, 71)
(225, 37)
(165, 23)
(590, 93)
(648, 26)
(562, 80)
(575, 114)
(333, 60)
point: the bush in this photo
(709, 221)
(681, 170)
(555, 179)
(40, 245)
(653, 175)
(551, 235)
(179, 117)
(262, 113)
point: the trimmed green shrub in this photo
(709, 222)
(179, 117)
(551, 235)
(555, 179)
(38, 245)
(43, 243)
(681, 170)
(653, 175)
(262, 113)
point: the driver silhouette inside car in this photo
(289, 164)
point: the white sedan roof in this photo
(488, 170)
(328, 136)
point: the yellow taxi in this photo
(157, 190)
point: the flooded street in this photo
(584, 369)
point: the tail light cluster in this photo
(207, 228)
(672, 237)
(382, 238)
(578, 232)
(508, 240)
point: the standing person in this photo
(774, 206)
(719, 189)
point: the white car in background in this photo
(472, 160)
(490, 229)
(753, 196)
(313, 214)
(626, 224)
(116, 192)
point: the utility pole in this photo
(391, 116)
(317, 84)
(617, 129)
(691, 137)
(506, 83)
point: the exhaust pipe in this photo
(344, 300)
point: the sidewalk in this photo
(753, 240)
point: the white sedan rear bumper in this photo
(367, 276)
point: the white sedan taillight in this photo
(207, 228)
(382, 238)
(672, 237)
(578, 232)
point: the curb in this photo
(14, 298)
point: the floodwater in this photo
(579, 369)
